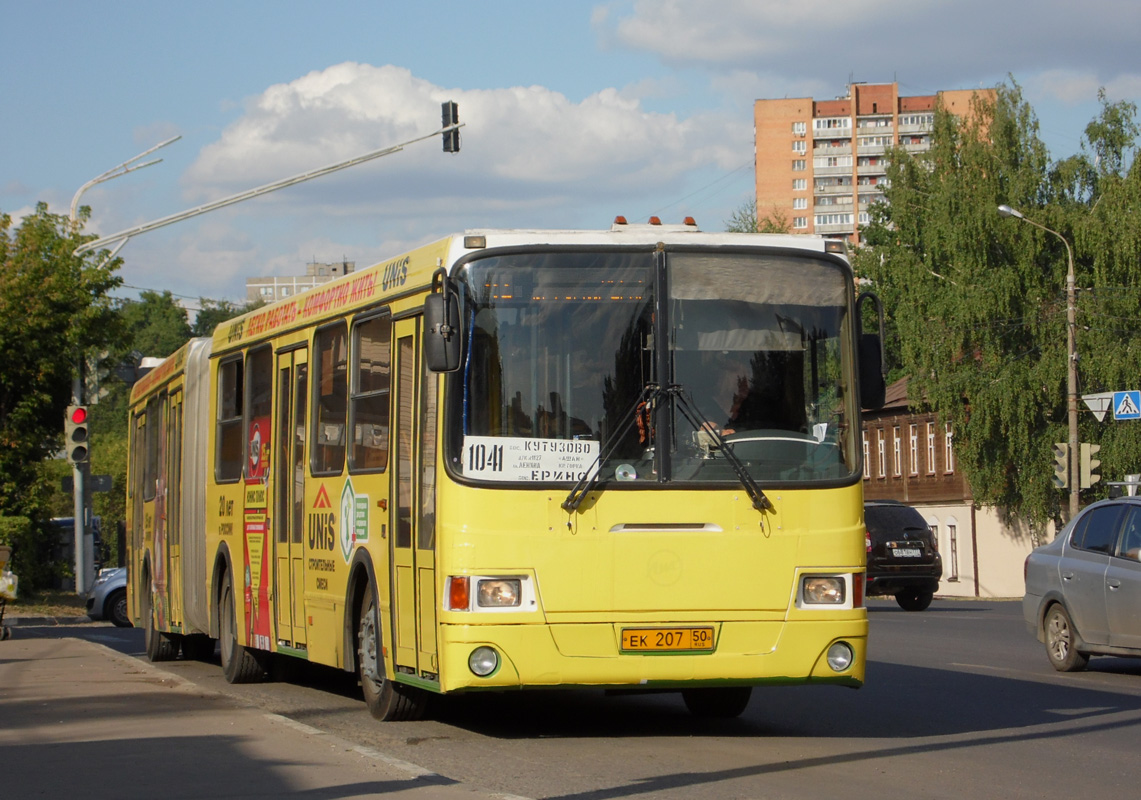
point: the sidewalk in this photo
(80, 720)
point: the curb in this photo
(30, 621)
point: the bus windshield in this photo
(564, 374)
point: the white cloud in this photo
(519, 143)
(941, 44)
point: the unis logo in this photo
(354, 520)
(395, 273)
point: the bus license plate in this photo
(659, 639)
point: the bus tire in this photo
(386, 701)
(160, 646)
(239, 664)
(724, 702)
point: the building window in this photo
(914, 442)
(800, 202)
(881, 453)
(799, 128)
(830, 123)
(800, 222)
(895, 451)
(798, 165)
(799, 184)
(820, 162)
(799, 146)
(833, 219)
(952, 550)
(948, 450)
(930, 448)
(867, 454)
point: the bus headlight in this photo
(840, 656)
(825, 590)
(483, 661)
(498, 593)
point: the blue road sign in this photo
(1127, 405)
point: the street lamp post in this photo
(83, 565)
(1071, 358)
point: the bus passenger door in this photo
(287, 472)
(413, 510)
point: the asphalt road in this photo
(959, 702)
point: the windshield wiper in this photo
(702, 423)
(650, 393)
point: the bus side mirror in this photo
(442, 340)
(873, 388)
(869, 352)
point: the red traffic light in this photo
(79, 415)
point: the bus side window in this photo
(372, 382)
(330, 409)
(229, 445)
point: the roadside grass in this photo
(48, 603)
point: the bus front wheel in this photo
(386, 700)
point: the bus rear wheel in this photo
(239, 663)
(385, 700)
(160, 646)
(719, 703)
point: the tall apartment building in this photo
(276, 287)
(821, 163)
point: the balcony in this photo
(847, 170)
(841, 134)
(832, 189)
(834, 150)
(827, 229)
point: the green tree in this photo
(214, 312)
(54, 307)
(156, 325)
(978, 302)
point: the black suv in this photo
(903, 556)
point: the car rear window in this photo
(883, 520)
(1097, 530)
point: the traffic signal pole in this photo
(79, 511)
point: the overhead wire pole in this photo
(124, 235)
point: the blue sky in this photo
(575, 111)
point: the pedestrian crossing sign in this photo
(1127, 405)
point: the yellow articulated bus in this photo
(626, 459)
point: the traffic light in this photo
(450, 113)
(75, 435)
(1061, 465)
(1090, 464)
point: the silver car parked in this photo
(108, 597)
(1083, 590)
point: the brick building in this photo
(821, 163)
